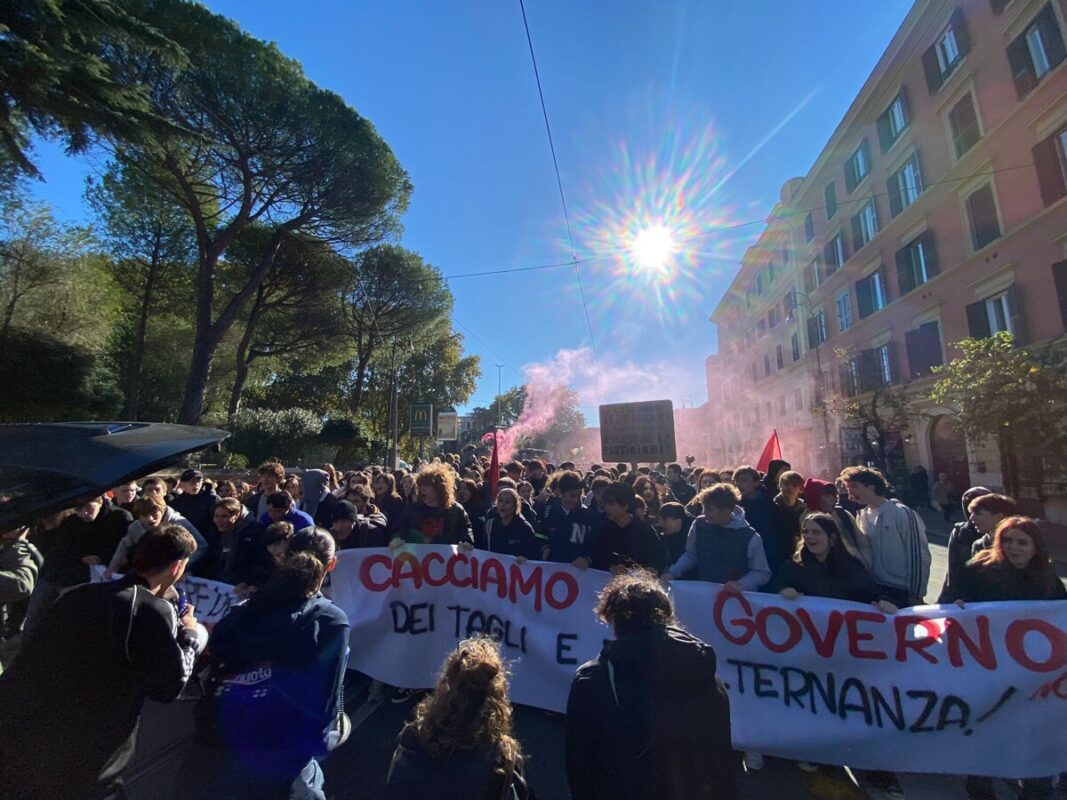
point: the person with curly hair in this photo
(436, 518)
(460, 743)
(648, 717)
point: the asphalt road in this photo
(358, 769)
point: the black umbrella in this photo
(47, 467)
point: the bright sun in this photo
(653, 246)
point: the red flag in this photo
(494, 468)
(771, 451)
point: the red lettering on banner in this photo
(493, 574)
(902, 623)
(570, 584)
(795, 631)
(474, 572)
(747, 625)
(450, 570)
(525, 587)
(981, 651)
(1057, 640)
(430, 580)
(855, 637)
(824, 645)
(368, 564)
(406, 568)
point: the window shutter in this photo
(813, 333)
(865, 148)
(850, 176)
(959, 27)
(857, 233)
(843, 379)
(966, 118)
(913, 348)
(978, 320)
(864, 304)
(921, 186)
(1022, 70)
(830, 196)
(885, 130)
(896, 202)
(1059, 277)
(932, 69)
(933, 266)
(868, 371)
(1015, 312)
(1050, 34)
(894, 370)
(984, 222)
(1049, 170)
(905, 270)
(930, 333)
(998, 5)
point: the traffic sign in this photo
(422, 420)
(634, 432)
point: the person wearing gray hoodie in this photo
(722, 546)
(155, 512)
(319, 502)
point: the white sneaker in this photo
(753, 761)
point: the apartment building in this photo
(935, 212)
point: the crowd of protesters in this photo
(273, 699)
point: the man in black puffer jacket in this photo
(648, 717)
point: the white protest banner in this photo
(211, 599)
(978, 691)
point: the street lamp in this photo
(796, 299)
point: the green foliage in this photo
(260, 434)
(47, 379)
(1015, 397)
(61, 75)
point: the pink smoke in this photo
(613, 382)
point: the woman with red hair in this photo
(1016, 567)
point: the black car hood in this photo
(47, 467)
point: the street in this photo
(357, 770)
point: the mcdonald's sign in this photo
(422, 420)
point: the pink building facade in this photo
(936, 211)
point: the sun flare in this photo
(653, 247)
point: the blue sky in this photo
(652, 105)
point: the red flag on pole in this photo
(771, 451)
(494, 467)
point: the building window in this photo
(982, 215)
(759, 283)
(963, 121)
(893, 121)
(1050, 162)
(916, 262)
(754, 375)
(844, 311)
(785, 255)
(798, 399)
(761, 327)
(816, 329)
(809, 227)
(772, 272)
(1036, 51)
(864, 225)
(834, 254)
(884, 364)
(924, 349)
(781, 404)
(858, 166)
(998, 313)
(830, 196)
(948, 52)
(905, 185)
(944, 55)
(766, 364)
(871, 294)
(794, 341)
(773, 317)
(779, 356)
(814, 276)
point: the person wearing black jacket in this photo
(625, 541)
(568, 527)
(196, 501)
(460, 744)
(236, 553)
(351, 529)
(787, 509)
(506, 532)
(648, 717)
(682, 491)
(960, 543)
(274, 700)
(823, 567)
(436, 518)
(70, 703)
(755, 500)
(674, 526)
